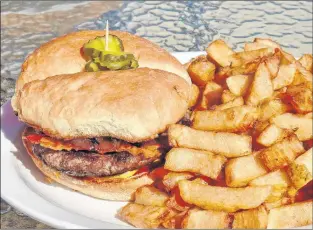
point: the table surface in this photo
(175, 26)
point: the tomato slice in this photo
(34, 138)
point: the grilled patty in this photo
(80, 163)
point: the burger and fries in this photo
(116, 117)
(244, 158)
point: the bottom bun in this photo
(102, 188)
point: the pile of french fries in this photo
(246, 159)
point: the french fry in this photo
(226, 144)
(254, 46)
(271, 134)
(301, 125)
(307, 62)
(267, 42)
(239, 171)
(197, 161)
(228, 96)
(200, 181)
(205, 219)
(195, 92)
(271, 108)
(231, 104)
(300, 171)
(282, 153)
(201, 71)
(149, 195)
(285, 76)
(200, 57)
(300, 96)
(251, 219)
(175, 221)
(289, 216)
(261, 87)
(174, 205)
(171, 179)
(229, 120)
(287, 58)
(278, 177)
(220, 52)
(241, 58)
(222, 198)
(283, 201)
(212, 94)
(142, 216)
(302, 75)
(272, 64)
(238, 84)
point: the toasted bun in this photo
(132, 105)
(63, 56)
(102, 188)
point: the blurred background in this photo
(178, 26)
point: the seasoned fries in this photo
(261, 87)
(220, 52)
(300, 97)
(241, 58)
(201, 71)
(142, 216)
(307, 62)
(271, 134)
(211, 94)
(278, 177)
(221, 198)
(197, 161)
(251, 219)
(195, 93)
(234, 103)
(239, 171)
(229, 120)
(272, 108)
(149, 195)
(300, 171)
(228, 96)
(238, 84)
(289, 216)
(171, 179)
(282, 153)
(226, 144)
(205, 219)
(285, 76)
(243, 159)
(301, 125)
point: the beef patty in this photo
(80, 163)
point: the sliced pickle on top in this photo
(98, 44)
(114, 58)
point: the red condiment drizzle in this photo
(305, 193)
(179, 200)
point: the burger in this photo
(97, 109)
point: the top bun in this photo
(62, 55)
(132, 105)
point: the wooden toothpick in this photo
(107, 36)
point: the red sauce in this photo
(308, 144)
(179, 200)
(142, 170)
(159, 173)
(305, 193)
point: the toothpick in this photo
(107, 36)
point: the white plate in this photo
(24, 186)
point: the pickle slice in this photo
(114, 58)
(91, 67)
(98, 44)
